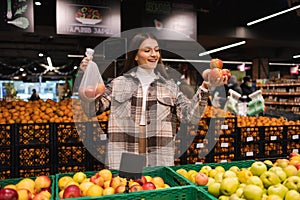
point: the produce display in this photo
(37, 188)
(257, 180)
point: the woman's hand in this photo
(84, 62)
(214, 82)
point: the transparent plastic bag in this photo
(92, 85)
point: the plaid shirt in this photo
(164, 106)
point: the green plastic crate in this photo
(16, 180)
(180, 188)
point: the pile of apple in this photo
(263, 180)
(104, 183)
(215, 72)
(28, 189)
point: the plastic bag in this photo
(92, 85)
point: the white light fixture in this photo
(273, 15)
(75, 56)
(37, 3)
(284, 64)
(50, 66)
(204, 61)
(296, 56)
(41, 54)
(222, 48)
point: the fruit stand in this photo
(48, 140)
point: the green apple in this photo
(269, 178)
(219, 168)
(274, 197)
(290, 170)
(214, 189)
(292, 183)
(278, 189)
(219, 177)
(255, 180)
(210, 181)
(229, 186)
(223, 197)
(234, 197)
(235, 169)
(239, 192)
(244, 174)
(279, 172)
(212, 173)
(258, 167)
(253, 192)
(298, 173)
(292, 195)
(228, 174)
(205, 169)
(242, 185)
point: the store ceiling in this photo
(220, 22)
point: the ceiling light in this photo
(296, 56)
(37, 3)
(205, 61)
(273, 15)
(284, 64)
(222, 48)
(75, 56)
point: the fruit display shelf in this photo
(14, 181)
(180, 188)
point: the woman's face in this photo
(148, 54)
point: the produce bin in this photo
(180, 188)
(16, 180)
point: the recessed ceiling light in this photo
(296, 56)
(37, 3)
(41, 54)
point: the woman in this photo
(145, 106)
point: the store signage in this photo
(180, 17)
(17, 15)
(93, 18)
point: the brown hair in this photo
(133, 48)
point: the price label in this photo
(223, 161)
(249, 153)
(224, 144)
(296, 150)
(198, 163)
(224, 126)
(273, 137)
(199, 145)
(249, 139)
(295, 137)
(103, 137)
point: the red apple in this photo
(8, 194)
(90, 91)
(297, 166)
(43, 195)
(292, 154)
(42, 182)
(97, 179)
(148, 186)
(216, 63)
(135, 188)
(120, 189)
(72, 191)
(141, 180)
(201, 179)
(226, 72)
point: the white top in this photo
(146, 76)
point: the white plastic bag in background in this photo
(92, 85)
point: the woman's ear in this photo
(135, 58)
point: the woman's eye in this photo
(157, 50)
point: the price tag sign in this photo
(273, 137)
(295, 137)
(296, 150)
(103, 137)
(131, 166)
(224, 144)
(224, 126)
(200, 145)
(249, 153)
(223, 161)
(249, 139)
(198, 163)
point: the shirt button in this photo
(149, 151)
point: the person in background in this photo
(34, 96)
(145, 106)
(246, 86)
(233, 84)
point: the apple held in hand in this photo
(8, 194)
(201, 179)
(226, 72)
(216, 63)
